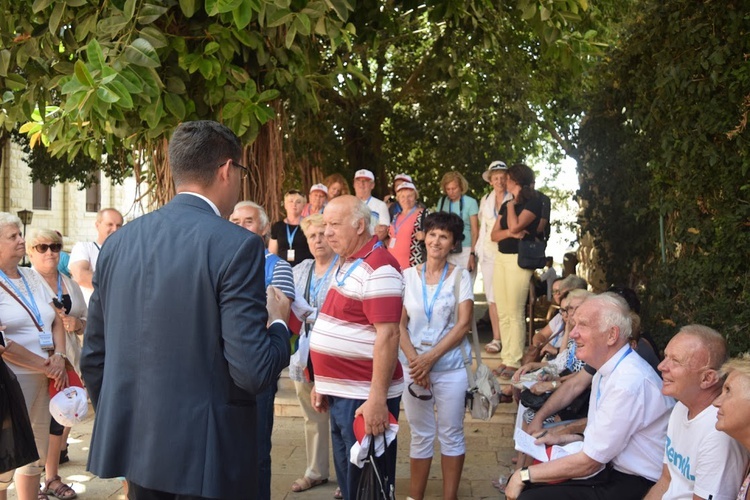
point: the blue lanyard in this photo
(428, 308)
(599, 385)
(460, 207)
(29, 302)
(317, 283)
(290, 236)
(355, 264)
(396, 226)
(59, 287)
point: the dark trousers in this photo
(264, 401)
(609, 484)
(137, 492)
(342, 440)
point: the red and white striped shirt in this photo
(343, 338)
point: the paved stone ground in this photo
(489, 450)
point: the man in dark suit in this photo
(177, 346)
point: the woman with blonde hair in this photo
(734, 409)
(455, 201)
(43, 248)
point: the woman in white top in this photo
(489, 208)
(433, 327)
(43, 248)
(34, 348)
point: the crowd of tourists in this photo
(368, 301)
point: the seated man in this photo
(627, 420)
(699, 461)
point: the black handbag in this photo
(532, 254)
(373, 483)
(17, 446)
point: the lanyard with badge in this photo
(316, 283)
(397, 225)
(355, 264)
(290, 239)
(30, 305)
(599, 385)
(428, 336)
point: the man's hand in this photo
(54, 368)
(376, 417)
(319, 402)
(515, 487)
(277, 304)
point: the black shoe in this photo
(64, 458)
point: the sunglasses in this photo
(423, 397)
(43, 247)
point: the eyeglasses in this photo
(568, 310)
(43, 247)
(245, 170)
(422, 397)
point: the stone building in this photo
(63, 207)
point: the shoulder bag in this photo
(483, 395)
(532, 254)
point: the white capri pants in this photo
(449, 391)
(35, 392)
(487, 267)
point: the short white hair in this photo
(262, 215)
(613, 312)
(362, 211)
(6, 219)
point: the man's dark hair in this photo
(447, 222)
(198, 148)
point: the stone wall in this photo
(68, 213)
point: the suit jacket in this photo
(175, 349)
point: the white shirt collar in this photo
(210, 203)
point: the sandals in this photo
(507, 373)
(41, 496)
(305, 483)
(337, 494)
(497, 371)
(493, 347)
(63, 491)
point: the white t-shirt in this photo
(632, 440)
(380, 215)
(486, 248)
(19, 327)
(700, 459)
(420, 330)
(85, 251)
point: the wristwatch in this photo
(525, 476)
(61, 354)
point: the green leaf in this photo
(73, 85)
(129, 9)
(153, 112)
(189, 7)
(141, 53)
(210, 48)
(56, 16)
(544, 13)
(175, 105)
(125, 100)
(277, 17)
(95, 55)
(212, 7)
(86, 26)
(130, 81)
(175, 85)
(150, 13)
(106, 95)
(4, 62)
(302, 23)
(224, 6)
(529, 12)
(341, 7)
(83, 74)
(205, 66)
(77, 3)
(40, 5)
(268, 95)
(155, 37)
(242, 15)
(290, 34)
(231, 110)
(110, 26)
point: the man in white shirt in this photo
(699, 461)
(627, 420)
(84, 255)
(364, 182)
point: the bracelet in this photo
(61, 354)
(473, 253)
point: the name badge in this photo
(290, 255)
(46, 342)
(392, 243)
(428, 337)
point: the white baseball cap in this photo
(319, 187)
(364, 173)
(403, 177)
(495, 166)
(406, 185)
